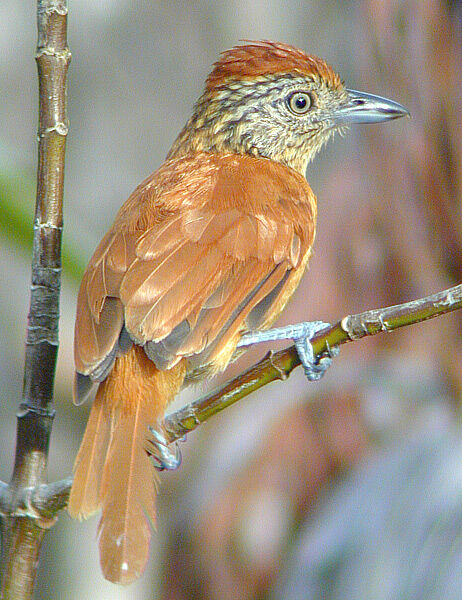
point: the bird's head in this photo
(272, 100)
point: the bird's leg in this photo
(301, 334)
(159, 453)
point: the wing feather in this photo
(218, 257)
(214, 323)
(237, 321)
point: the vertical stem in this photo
(22, 535)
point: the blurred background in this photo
(347, 488)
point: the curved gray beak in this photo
(367, 108)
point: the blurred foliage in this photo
(17, 202)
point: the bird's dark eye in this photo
(300, 102)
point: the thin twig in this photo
(47, 500)
(22, 530)
(279, 365)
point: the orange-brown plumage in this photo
(211, 246)
(202, 242)
(175, 243)
(257, 59)
(112, 469)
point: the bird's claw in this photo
(313, 366)
(301, 334)
(160, 454)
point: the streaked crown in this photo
(259, 59)
(265, 99)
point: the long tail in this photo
(112, 470)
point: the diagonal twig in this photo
(47, 500)
(279, 365)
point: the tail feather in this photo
(85, 499)
(112, 469)
(128, 498)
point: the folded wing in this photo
(188, 285)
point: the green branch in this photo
(47, 500)
(279, 365)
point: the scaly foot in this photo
(301, 334)
(160, 454)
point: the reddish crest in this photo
(263, 58)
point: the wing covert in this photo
(187, 283)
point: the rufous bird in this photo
(207, 249)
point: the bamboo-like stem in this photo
(47, 500)
(22, 531)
